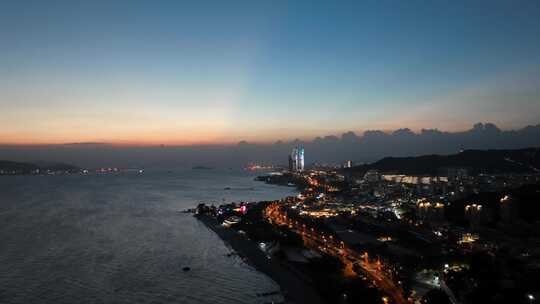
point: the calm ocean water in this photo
(118, 238)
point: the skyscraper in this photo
(300, 159)
(292, 160)
(296, 159)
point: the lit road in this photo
(328, 244)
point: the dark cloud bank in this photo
(368, 147)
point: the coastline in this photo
(294, 289)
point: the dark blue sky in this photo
(221, 71)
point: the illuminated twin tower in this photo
(296, 159)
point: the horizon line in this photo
(178, 144)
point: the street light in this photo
(530, 297)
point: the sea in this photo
(120, 238)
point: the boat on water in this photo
(201, 168)
(232, 220)
(186, 211)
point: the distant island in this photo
(35, 168)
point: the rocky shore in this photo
(294, 288)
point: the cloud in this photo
(370, 146)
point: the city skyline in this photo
(309, 152)
(190, 74)
(364, 147)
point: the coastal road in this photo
(328, 244)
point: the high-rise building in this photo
(296, 159)
(300, 160)
(292, 160)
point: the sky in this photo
(217, 72)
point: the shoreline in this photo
(292, 287)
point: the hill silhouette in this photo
(476, 161)
(10, 167)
